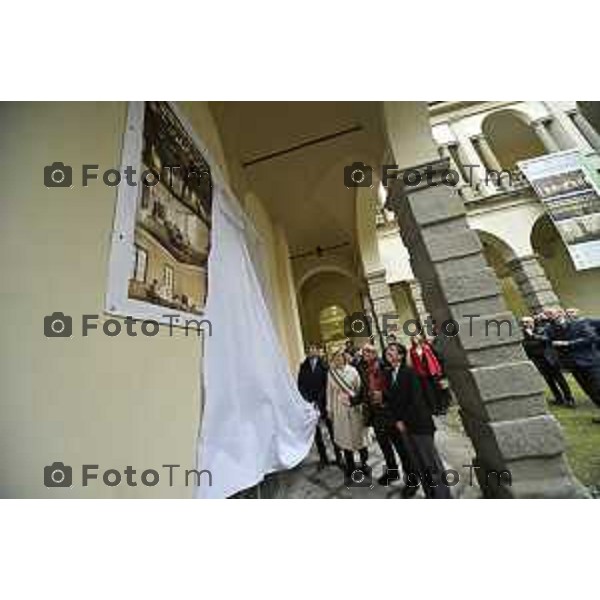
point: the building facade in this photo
(325, 250)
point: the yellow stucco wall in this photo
(109, 401)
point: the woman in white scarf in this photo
(344, 408)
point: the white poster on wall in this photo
(571, 196)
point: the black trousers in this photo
(320, 442)
(428, 464)
(349, 459)
(556, 381)
(390, 441)
(589, 381)
(437, 400)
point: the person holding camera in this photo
(345, 410)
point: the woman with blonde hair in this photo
(344, 408)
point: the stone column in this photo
(590, 135)
(416, 296)
(491, 162)
(382, 310)
(488, 162)
(450, 151)
(472, 163)
(541, 128)
(501, 395)
(534, 285)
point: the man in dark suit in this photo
(573, 314)
(414, 423)
(372, 374)
(312, 383)
(539, 350)
(577, 345)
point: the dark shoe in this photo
(323, 462)
(556, 402)
(596, 420)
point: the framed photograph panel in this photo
(161, 236)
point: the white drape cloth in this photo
(254, 421)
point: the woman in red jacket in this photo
(429, 370)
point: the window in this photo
(140, 264)
(169, 280)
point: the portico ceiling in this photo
(292, 155)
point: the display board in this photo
(567, 186)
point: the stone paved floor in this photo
(308, 481)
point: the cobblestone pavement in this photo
(307, 480)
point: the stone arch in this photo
(322, 269)
(500, 256)
(512, 224)
(573, 288)
(325, 287)
(511, 137)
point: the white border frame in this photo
(117, 301)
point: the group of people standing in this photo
(395, 395)
(559, 340)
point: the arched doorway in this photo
(325, 299)
(331, 325)
(574, 288)
(498, 254)
(511, 138)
